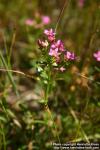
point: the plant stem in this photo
(46, 104)
(49, 112)
(47, 89)
(3, 136)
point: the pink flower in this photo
(81, 3)
(69, 56)
(62, 69)
(97, 55)
(43, 44)
(54, 52)
(51, 38)
(50, 34)
(29, 22)
(55, 49)
(46, 20)
(58, 45)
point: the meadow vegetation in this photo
(49, 73)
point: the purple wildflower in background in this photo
(97, 55)
(29, 22)
(46, 20)
(81, 3)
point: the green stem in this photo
(57, 135)
(11, 47)
(47, 91)
(46, 104)
(3, 136)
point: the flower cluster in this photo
(57, 51)
(97, 55)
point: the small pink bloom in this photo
(29, 22)
(43, 43)
(50, 34)
(60, 45)
(97, 55)
(69, 56)
(46, 20)
(62, 69)
(55, 49)
(51, 38)
(54, 52)
(81, 3)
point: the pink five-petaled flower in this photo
(59, 45)
(62, 69)
(56, 48)
(46, 20)
(50, 34)
(97, 55)
(69, 56)
(54, 52)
